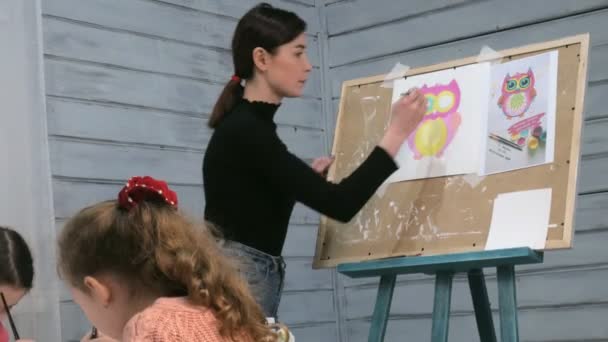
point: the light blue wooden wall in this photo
(130, 82)
(563, 299)
(129, 85)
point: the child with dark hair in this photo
(16, 273)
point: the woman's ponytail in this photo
(232, 93)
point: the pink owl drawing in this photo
(518, 92)
(441, 121)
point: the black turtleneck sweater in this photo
(252, 181)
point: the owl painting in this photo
(517, 94)
(440, 123)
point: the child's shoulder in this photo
(172, 319)
(176, 305)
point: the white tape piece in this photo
(382, 189)
(473, 179)
(398, 71)
(487, 54)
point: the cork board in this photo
(448, 214)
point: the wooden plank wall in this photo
(118, 71)
(563, 299)
(129, 85)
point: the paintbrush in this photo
(10, 318)
(409, 91)
(505, 141)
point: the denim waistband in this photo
(271, 261)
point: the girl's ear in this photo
(99, 290)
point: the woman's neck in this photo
(259, 90)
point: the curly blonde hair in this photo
(156, 248)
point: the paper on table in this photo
(520, 219)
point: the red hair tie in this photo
(235, 78)
(144, 188)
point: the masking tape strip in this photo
(398, 71)
(473, 179)
(487, 54)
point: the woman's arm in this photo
(295, 179)
(291, 176)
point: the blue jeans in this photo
(264, 273)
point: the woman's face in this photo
(12, 295)
(288, 68)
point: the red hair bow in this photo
(140, 189)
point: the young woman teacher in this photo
(251, 180)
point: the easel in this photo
(373, 251)
(444, 267)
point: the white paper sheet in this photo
(446, 142)
(520, 219)
(483, 118)
(520, 124)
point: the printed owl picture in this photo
(444, 142)
(440, 123)
(520, 125)
(470, 126)
(517, 94)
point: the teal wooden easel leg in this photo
(444, 267)
(441, 306)
(382, 308)
(481, 303)
(509, 331)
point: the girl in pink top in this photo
(141, 271)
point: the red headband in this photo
(144, 188)
(235, 78)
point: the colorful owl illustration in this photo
(440, 123)
(517, 94)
